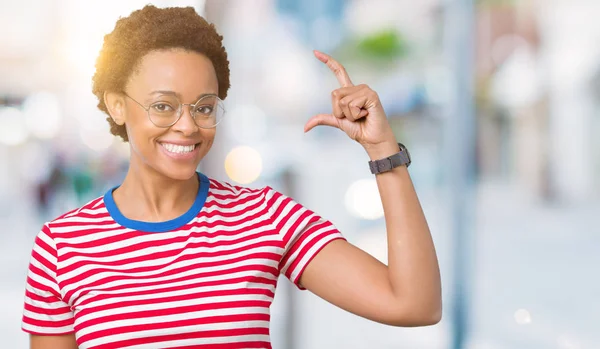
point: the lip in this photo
(184, 156)
(184, 143)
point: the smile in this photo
(178, 149)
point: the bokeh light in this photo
(362, 199)
(243, 164)
(13, 130)
(42, 115)
(95, 133)
(522, 317)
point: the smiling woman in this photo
(171, 258)
(160, 132)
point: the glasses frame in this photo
(180, 110)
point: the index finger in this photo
(336, 68)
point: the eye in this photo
(204, 109)
(162, 107)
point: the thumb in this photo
(321, 119)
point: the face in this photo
(174, 151)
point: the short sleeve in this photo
(45, 312)
(303, 234)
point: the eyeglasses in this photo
(207, 112)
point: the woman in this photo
(171, 258)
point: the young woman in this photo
(173, 259)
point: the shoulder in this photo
(231, 194)
(92, 212)
(224, 189)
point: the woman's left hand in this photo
(357, 110)
(408, 291)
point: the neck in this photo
(150, 196)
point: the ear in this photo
(115, 103)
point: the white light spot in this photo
(13, 130)
(363, 200)
(522, 317)
(517, 82)
(96, 134)
(42, 115)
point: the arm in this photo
(66, 341)
(46, 316)
(407, 292)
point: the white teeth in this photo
(179, 149)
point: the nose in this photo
(186, 125)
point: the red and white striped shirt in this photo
(205, 279)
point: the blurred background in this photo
(497, 100)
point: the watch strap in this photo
(387, 164)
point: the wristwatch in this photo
(387, 164)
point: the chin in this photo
(179, 166)
(178, 173)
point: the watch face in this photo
(405, 150)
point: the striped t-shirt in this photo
(203, 280)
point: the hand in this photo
(357, 111)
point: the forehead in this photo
(186, 72)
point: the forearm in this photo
(412, 262)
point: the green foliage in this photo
(387, 44)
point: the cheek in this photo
(141, 133)
(209, 137)
(209, 144)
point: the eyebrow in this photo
(173, 93)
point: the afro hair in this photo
(151, 29)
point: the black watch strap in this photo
(387, 164)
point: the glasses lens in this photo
(164, 111)
(208, 111)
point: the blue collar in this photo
(158, 227)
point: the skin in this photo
(165, 188)
(406, 292)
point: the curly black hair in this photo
(150, 29)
